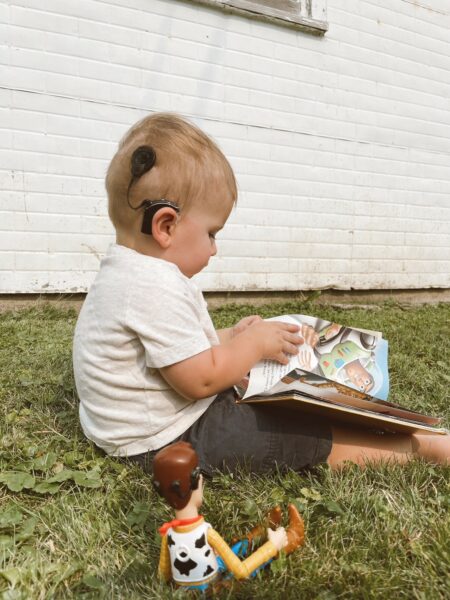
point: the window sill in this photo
(248, 8)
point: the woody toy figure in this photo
(193, 554)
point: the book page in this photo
(266, 373)
(352, 357)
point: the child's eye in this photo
(212, 236)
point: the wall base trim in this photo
(344, 298)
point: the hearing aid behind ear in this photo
(151, 207)
(142, 160)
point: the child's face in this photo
(193, 241)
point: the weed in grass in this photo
(76, 524)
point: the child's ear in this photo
(163, 226)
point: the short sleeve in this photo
(168, 319)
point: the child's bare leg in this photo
(359, 446)
(433, 448)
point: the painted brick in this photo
(340, 144)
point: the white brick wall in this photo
(341, 144)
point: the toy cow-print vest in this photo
(191, 557)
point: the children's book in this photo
(340, 373)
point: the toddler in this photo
(150, 368)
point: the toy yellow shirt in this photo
(188, 555)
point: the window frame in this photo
(314, 23)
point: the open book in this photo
(340, 373)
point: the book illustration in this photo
(352, 357)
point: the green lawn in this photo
(74, 524)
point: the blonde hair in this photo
(187, 164)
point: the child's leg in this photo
(360, 446)
(433, 448)
(262, 438)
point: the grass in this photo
(75, 524)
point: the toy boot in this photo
(272, 520)
(296, 530)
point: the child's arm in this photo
(220, 367)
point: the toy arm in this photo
(241, 569)
(329, 330)
(164, 569)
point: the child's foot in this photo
(296, 530)
(433, 448)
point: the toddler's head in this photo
(177, 162)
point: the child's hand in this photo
(244, 323)
(222, 365)
(276, 339)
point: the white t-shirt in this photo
(141, 314)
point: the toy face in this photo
(359, 376)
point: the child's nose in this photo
(213, 248)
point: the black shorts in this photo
(261, 438)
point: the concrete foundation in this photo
(344, 298)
